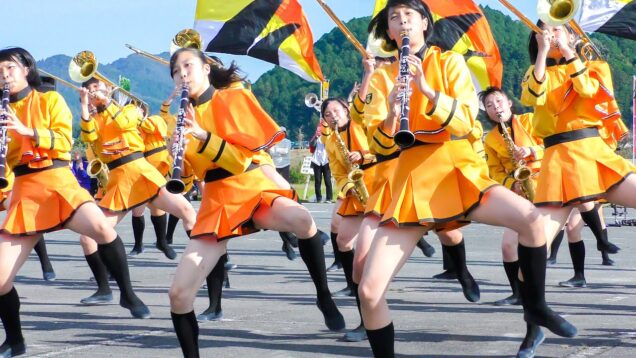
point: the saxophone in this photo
(355, 174)
(97, 169)
(521, 172)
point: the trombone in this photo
(188, 38)
(84, 67)
(64, 82)
(556, 13)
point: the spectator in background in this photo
(281, 155)
(320, 165)
(78, 166)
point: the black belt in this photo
(570, 136)
(220, 173)
(24, 169)
(367, 166)
(384, 158)
(154, 151)
(125, 159)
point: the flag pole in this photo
(344, 29)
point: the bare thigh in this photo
(13, 253)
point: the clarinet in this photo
(175, 185)
(3, 139)
(404, 137)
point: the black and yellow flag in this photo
(275, 31)
(612, 17)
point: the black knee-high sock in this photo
(556, 243)
(215, 284)
(577, 252)
(311, 251)
(457, 256)
(113, 256)
(99, 272)
(159, 223)
(10, 316)
(138, 224)
(172, 226)
(423, 244)
(334, 244)
(45, 262)
(532, 262)
(187, 329)
(512, 270)
(382, 341)
(347, 266)
(448, 263)
(593, 221)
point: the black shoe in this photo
(49, 275)
(229, 266)
(335, 266)
(289, 251)
(528, 349)
(167, 250)
(512, 300)
(210, 315)
(607, 247)
(139, 310)
(289, 238)
(345, 292)
(552, 321)
(12, 350)
(469, 287)
(358, 334)
(97, 298)
(333, 318)
(607, 261)
(446, 275)
(551, 261)
(136, 251)
(574, 282)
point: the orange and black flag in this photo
(275, 31)
(461, 26)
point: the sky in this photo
(52, 27)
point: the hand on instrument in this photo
(417, 73)
(521, 152)
(11, 122)
(355, 157)
(517, 187)
(84, 94)
(544, 41)
(191, 125)
(174, 94)
(368, 64)
(563, 43)
(354, 91)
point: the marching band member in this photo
(132, 181)
(238, 197)
(578, 166)
(153, 131)
(46, 196)
(440, 182)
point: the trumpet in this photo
(3, 138)
(404, 137)
(312, 101)
(175, 185)
(83, 67)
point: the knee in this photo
(532, 225)
(302, 220)
(105, 232)
(369, 297)
(509, 248)
(180, 298)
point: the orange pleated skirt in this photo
(130, 185)
(380, 191)
(437, 186)
(351, 205)
(43, 201)
(228, 204)
(579, 171)
(162, 161)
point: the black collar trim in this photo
(20, 95)
(204, 97)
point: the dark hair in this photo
(340, 100)
(379, 25)
(488, 91)
(533, 45)
(89, 82)
(23, 57)
(220, 77)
